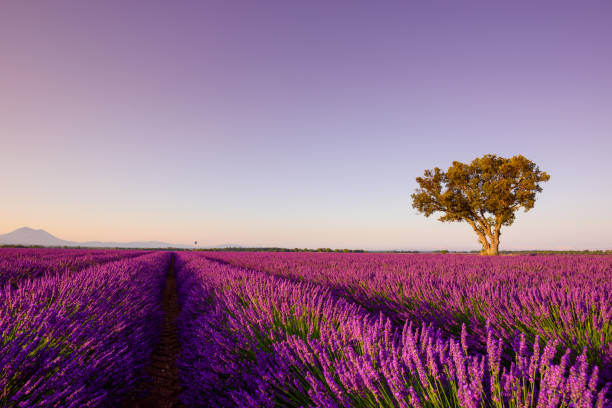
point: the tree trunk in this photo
(483, 241)
(490, 246)
(493, 249)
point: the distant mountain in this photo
(30, 236)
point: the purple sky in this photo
(299, 123)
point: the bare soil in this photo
(164, 388)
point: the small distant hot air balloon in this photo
(195, 243)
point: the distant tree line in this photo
(555, 252)
(278, 249)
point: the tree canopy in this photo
(485, 193)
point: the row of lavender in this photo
(81, 339)
(563, 298)
(253, 339)
(20, 263)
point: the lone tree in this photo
(485, 193)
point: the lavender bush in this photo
(563, 298)
(81, 340)
(251, 339)
(19, 263)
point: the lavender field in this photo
(256, 329)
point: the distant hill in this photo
(30, 236)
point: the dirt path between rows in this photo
(164, 388)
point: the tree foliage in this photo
(485, 193)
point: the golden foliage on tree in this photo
(485, 193)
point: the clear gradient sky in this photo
(299, 123)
